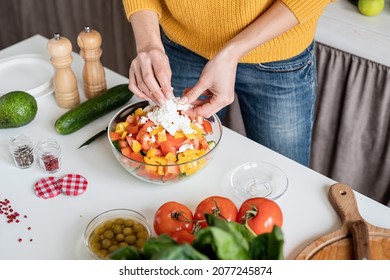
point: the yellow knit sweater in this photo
(204, 26)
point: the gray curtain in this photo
(351, 131)
(351, 138)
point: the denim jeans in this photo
(276, 99)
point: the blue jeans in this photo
(277, 99)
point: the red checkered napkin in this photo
(47, 187)
(73, 184)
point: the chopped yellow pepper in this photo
(136, 146)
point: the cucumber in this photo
(211, 144)
(92, 109)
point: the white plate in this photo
(28, 72)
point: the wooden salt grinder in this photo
(89, 41)
(64, 80)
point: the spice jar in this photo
(49, 155)
(22, 150)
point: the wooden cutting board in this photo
(338, 245)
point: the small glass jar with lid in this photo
(49, 155)
(22, 150)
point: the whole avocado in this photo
(17, 108)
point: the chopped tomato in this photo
(144, 130)
(176, 142)
(114, 136)
(132, 129)
(126, 151)
(150, 174)
(208, 129)
(167, 147)
(123, 144)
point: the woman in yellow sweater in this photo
(209, 50)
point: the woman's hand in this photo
(149, 73)
(150, 76)
(215, 86)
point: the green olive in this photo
(118, 221)
(113, 248)
(142, 235)
(108, 234)
(94, 238)
(108, 224)
(123, 244)
(129, 223)
(117, 229)
(106, 243)
(95, 247)
(119, 237)
(138, 227)
(127, 230)
(102, 253)
(130, 239)
(100, 229)
(140, 243)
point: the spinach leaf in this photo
(223, 240)
(179, 252)
(267, 246)
(155, 245)
(127, 253)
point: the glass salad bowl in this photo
(162, 155)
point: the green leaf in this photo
(268, 246)
(155, 245)
(223, 240)
(126, 253)
(179, 252)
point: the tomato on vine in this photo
(218, 206)
(183, 236)
(260, 214)
(171, 217)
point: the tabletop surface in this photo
(56, 226)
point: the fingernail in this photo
(169, 95)
(183, 100)
(161, 102)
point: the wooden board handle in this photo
(344, 202)
(360, 240)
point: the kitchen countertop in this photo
(342, 26)
(57, 224)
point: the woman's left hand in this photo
(215, 87)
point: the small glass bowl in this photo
(113, 229)
(258, 179)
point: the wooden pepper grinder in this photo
(64, 80)
(89, 41)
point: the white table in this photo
(57, 224)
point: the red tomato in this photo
(171, 172)
(260, 214)
(171, 217)
(219, 206)
(207, 127)
(183, 236)
(166, 147)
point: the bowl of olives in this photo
(114, 229)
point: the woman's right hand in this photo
(149, 73)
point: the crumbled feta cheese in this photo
(169, 118)
(143, 120)
(185, 147)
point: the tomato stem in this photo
(176, 215)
